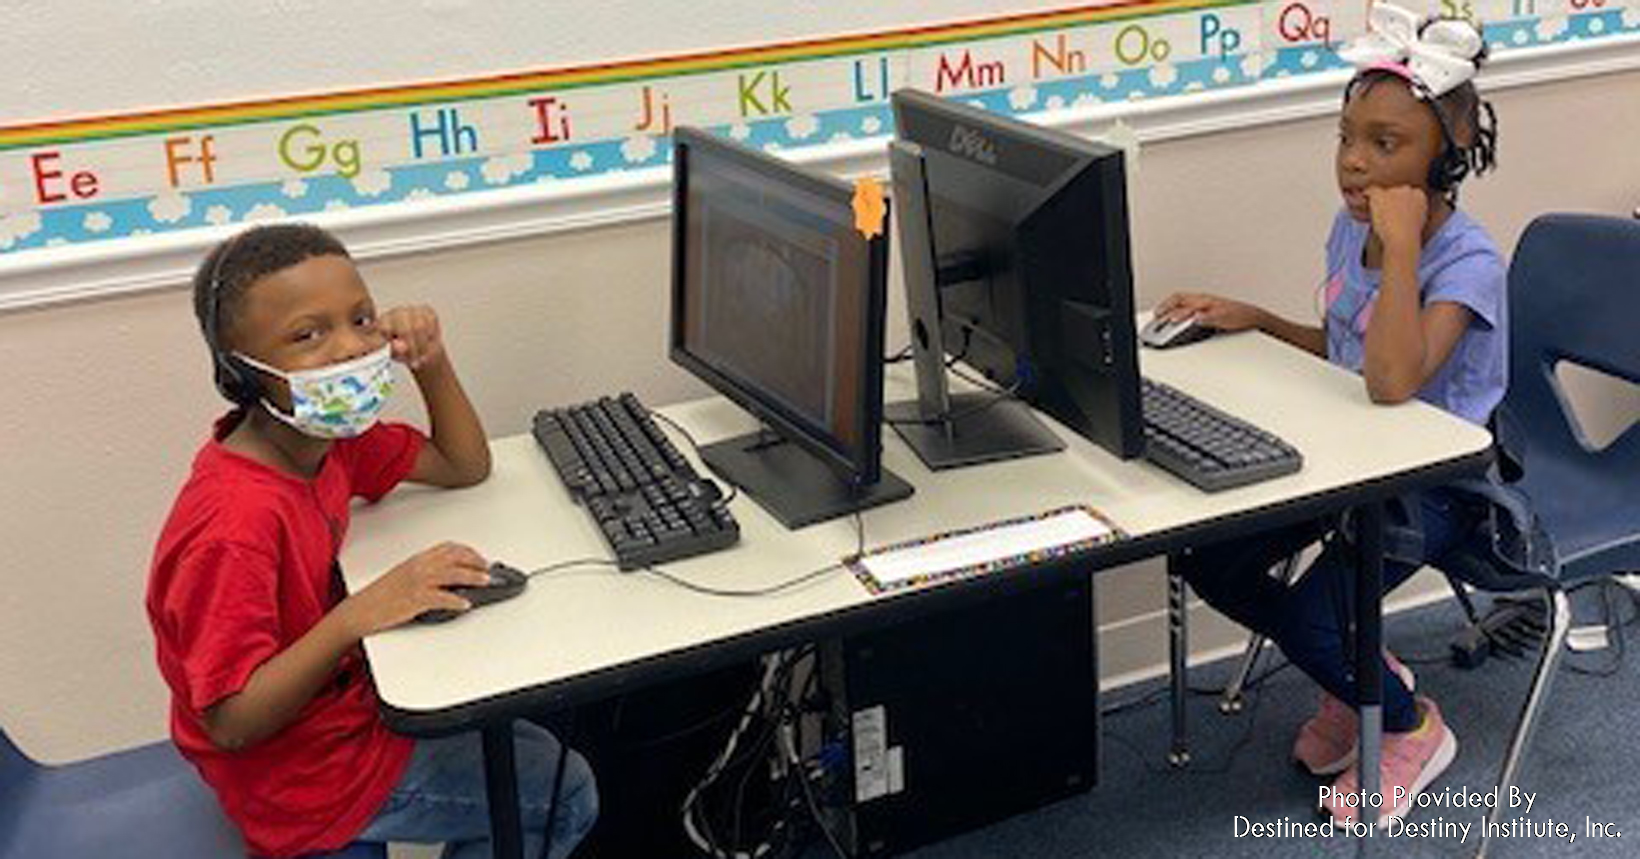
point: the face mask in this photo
(338, 401)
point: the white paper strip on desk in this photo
(984, 546)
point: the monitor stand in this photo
(795, 486)
(947, 430)
(978, 427)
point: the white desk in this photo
(582, 634)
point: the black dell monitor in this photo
(779, 302)
(1015, 246)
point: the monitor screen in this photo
(779, 298)
(1032, 285)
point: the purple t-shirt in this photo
(1458, 264)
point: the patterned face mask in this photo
(339, 401)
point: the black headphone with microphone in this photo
(1451, 164)
(235, 380)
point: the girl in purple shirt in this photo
(1415, 303)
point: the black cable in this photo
(962, 351)
(557, 786)
(859, 549)
(1153, 696)
(1254, 693)
(774, 704)
(752, 592)
(1000, 395)
(754, 754)
(773, 720)
(565, 565)
(1432, 659)
(774, 676)
(734, 490)
(814, 811)
(903, 355)
(701, 725)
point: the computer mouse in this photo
(1162, 333)
(505, 583)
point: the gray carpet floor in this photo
(1584, 762)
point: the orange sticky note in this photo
(869, 208)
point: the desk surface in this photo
(584, 626)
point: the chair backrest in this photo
(1574, 295)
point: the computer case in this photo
(950, 721)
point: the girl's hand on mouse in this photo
(1211, 310)
(414, 586)
(413, 331)
(1398, 216)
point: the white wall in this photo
(104, 403)
(60, 55)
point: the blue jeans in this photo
(440, 798)
(1311, 619)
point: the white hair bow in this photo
(1437, 57)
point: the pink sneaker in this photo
(1410, 762)
(1326, 744)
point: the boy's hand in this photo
(1398, 216)
(1211, 310)
(413, 332)
(416, 585)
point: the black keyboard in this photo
(646, 498)
(1207, 447)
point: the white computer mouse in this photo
(1160, 333)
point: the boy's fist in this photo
(413, 332)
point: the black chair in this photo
(1563, 511)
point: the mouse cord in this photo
(859, 549)
(565, 565)
(695, 445)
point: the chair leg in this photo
(1177, 646)
(1232, 699)
(1560, 623)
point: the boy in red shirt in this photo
(271, 698)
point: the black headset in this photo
(235, 380)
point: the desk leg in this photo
(1178, 673)
(501, 790)
(1369, 665)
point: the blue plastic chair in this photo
(144, 803)
(1564, 512)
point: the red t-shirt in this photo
(242, 570)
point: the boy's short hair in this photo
(227, 272)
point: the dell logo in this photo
(971, 144)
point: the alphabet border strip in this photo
(350, 150)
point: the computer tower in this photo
(950, 721)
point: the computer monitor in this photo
(779, 303)
(1015, 246)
